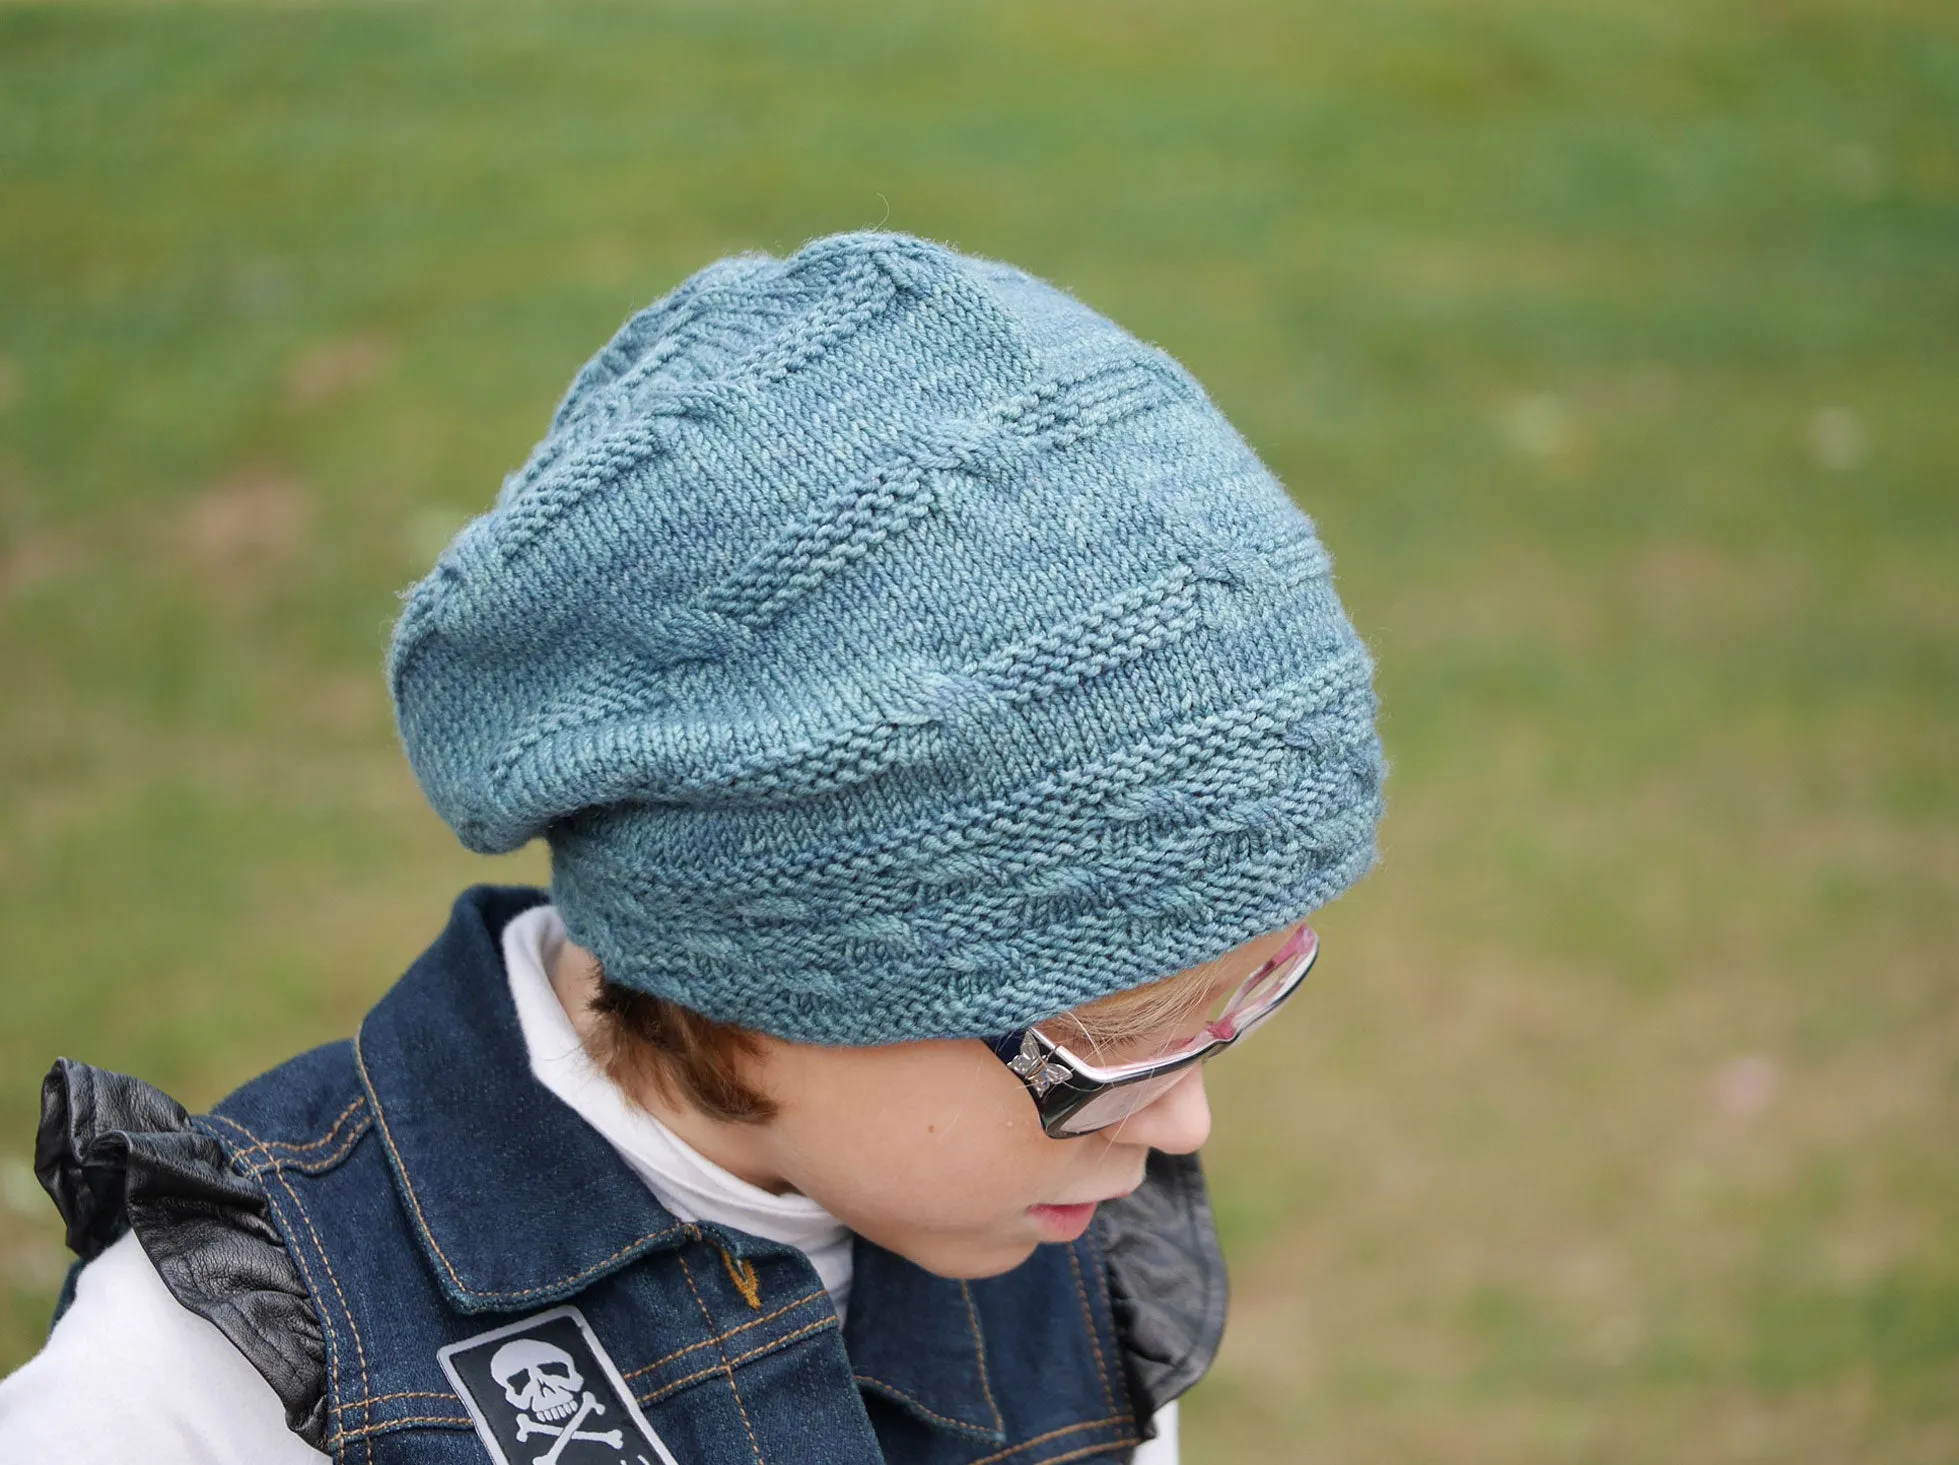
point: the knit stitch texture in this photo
(892, 647)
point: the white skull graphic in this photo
(538, 1377)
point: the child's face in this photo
(933, 1149)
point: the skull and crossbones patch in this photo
(543, 1392)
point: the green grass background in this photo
(1615, 348)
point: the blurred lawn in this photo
(1615, 347)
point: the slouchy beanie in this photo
(891, 647)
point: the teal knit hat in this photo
(891, 647)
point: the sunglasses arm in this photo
(1033, 1060)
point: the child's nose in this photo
(1177, 1123)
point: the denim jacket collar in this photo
(442, 1055)
(915, 1338)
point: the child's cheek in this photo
(935, 1136)
(960, 1177)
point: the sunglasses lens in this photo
(1262, 994)
(1260, 997)
(1112, 1106)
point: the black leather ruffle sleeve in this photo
(117, 1154)
(1166, 1280)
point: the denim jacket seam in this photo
(365, 1433)
(726, 1367)
(1084, 1451)
(435, 1247)
(1128, 1441)
(723, 1337)
(264, 1155)
(653, 1396)
(979, 1345)
(932, 1414)
(266, 1146)
(316, 1166)
(353, 1329)
(1094, 1329)
(404, 1394)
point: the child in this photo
(894, 654)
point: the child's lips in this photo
(1066, 1222)
(1063, 1223)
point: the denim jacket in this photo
(430, 1258)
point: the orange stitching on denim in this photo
(360, 1350)
(667, 1390)
(384, 1398)
(1041, 1439)
(1094, 1338)
(1127, 1443)
(723, 1337)
(312, 1167)
(726, 1367)
(802, 1332)
(266, 1146)
(654, 1395)
(327, 1138)
(326, 1162)
(367, 1431)
(263, 1148)
(744, 1278)
(422, 1224)
(387, 1138)
(972, 1321)
(960, 1424)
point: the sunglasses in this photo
(1074, 1096)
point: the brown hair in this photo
(643, 1039)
